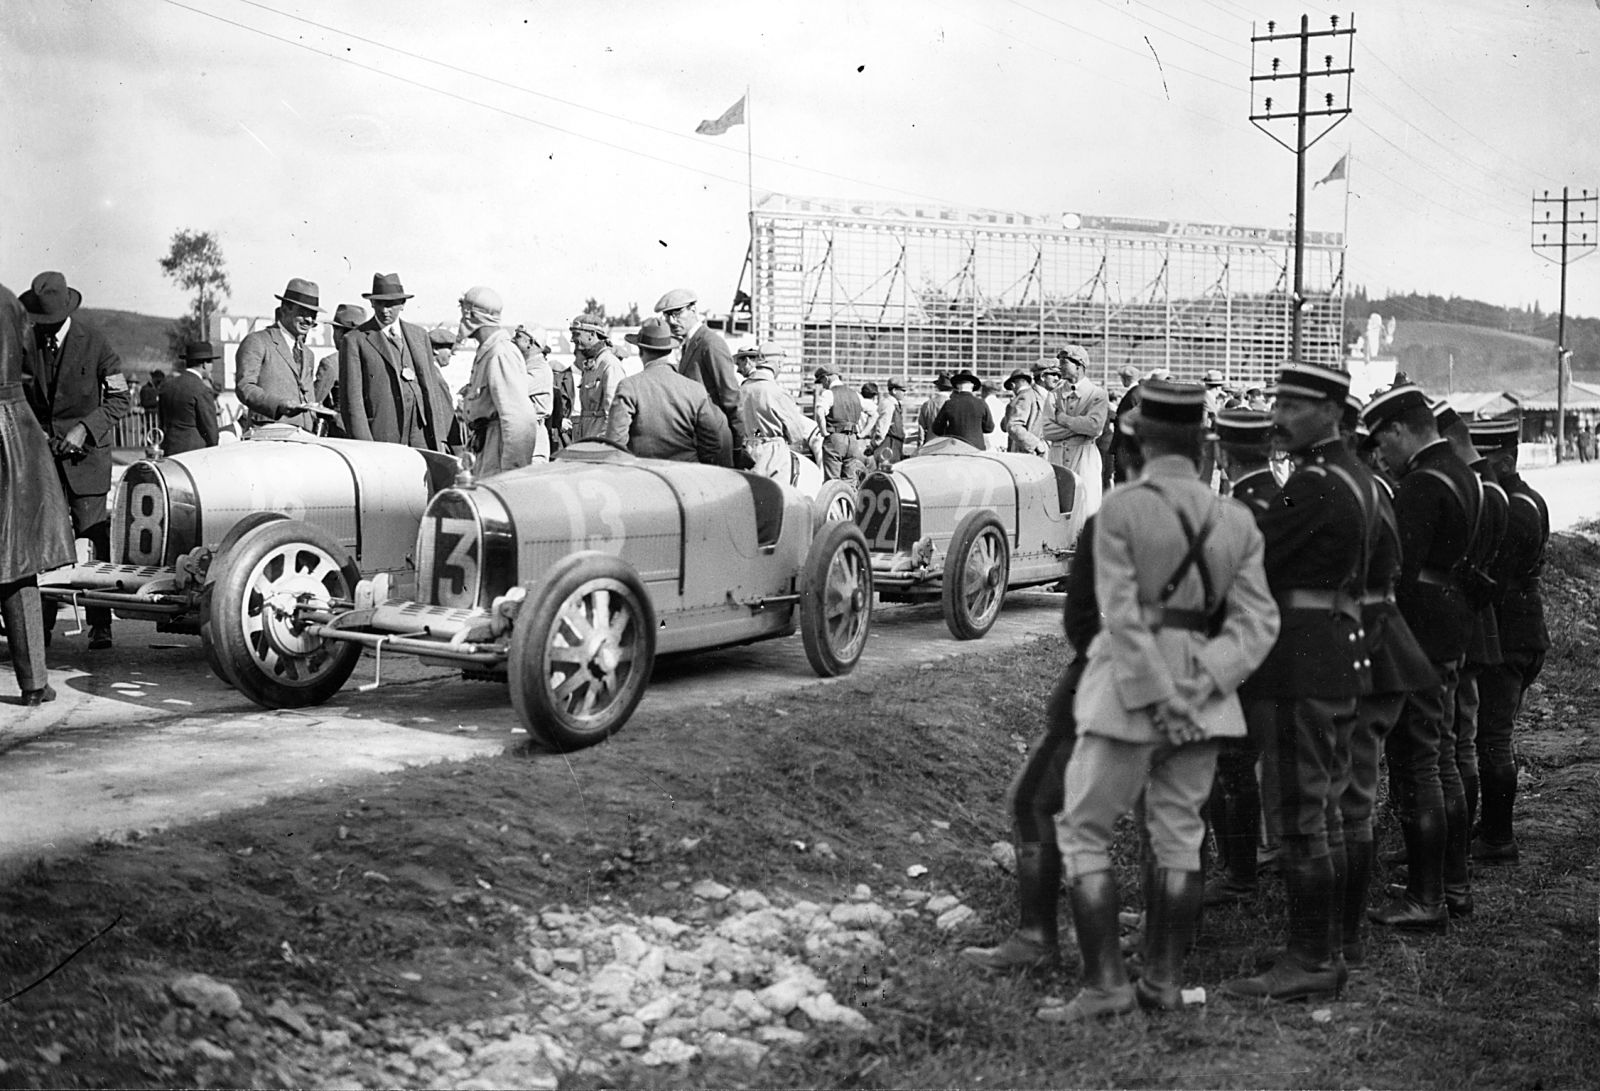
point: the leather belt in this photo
(1171, 617)
(1307, 598)
(842, 432)
(1377, 598)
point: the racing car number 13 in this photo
(452, 555)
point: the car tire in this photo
(836, 599)
(976, 569)
(264, 656)
(214, 659)
(835, 503)
(567, 693)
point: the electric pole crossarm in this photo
(1332, 32)
(1295, 75)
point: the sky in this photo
(547, 149)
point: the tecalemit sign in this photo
(778, 203)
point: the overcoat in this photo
(35, 527)
(188, 413)
(84, 383)
(370, 379)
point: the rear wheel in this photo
(582, 651)
(836, 599)
(975, 573)
(267, 654)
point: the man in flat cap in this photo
(887, 443)
(390, 390)
(78, 391)
(188, 405)
(1519, 612)
(602, 370)
(1026, 412)
(1301, 703)
(704, 357)
(276, 373)
(660, 413)
(503, 429)
(1073, 425)
(1187, 616)
(1437, 504)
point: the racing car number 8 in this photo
(147, 511)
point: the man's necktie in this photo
(299, 354)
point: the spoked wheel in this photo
(975, 572)
(251, 625)
(582, 651)
(835, 503)
(836, 599)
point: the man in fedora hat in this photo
(1187, 616)
(965, 416)
(78, 391)
(504, 429)
(35, 525)
(704, 357)
(346, 318)
(390, 390)
(660, 413)
(188, 404)
(277, 376)
(1025, 412)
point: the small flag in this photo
(733, 115)
(1333, 175)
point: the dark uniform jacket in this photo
(705, 359)
(659, 413)
(82, 382)
(373, 390)
(1483, 649)
(1398, 662)
(966, 417)
(1434, 529)
(1316, 541)
(1256, 490)
(188, 414)
(1517, 568)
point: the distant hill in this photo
(1484, 359)
(140, 339)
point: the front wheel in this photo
(975, 573)
(836, 599)
(582, 651)
(251, 624)
(835, 503)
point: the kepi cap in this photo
(1167, 406)
(1314, 382)
(1495, 434)
(1398, 399)
(1244, 427)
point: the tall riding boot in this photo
(1106, 990)
(1422, 904)
(1495, 843)
(1338, 861)
(1173, 904)
(1305, 969)
(1457, 862)
(1359, 859)
(1035, 942)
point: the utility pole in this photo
(1333, 103)
(1563, 240)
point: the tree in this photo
(194, 262)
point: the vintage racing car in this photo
(565, 579)
(175, 521)
(967, 526)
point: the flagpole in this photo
(1347, 154)
(750, 207)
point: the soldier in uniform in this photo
(1301, 704)
(660, 413)
(78, 392)
(1435, 505)
(601, 369)
(1234, 810)
(1398, 667)
(1025, 414)
(1519, 610)
(1186, 618)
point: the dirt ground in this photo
(763, 892)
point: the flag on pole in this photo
(733, 115)
(1335, 174)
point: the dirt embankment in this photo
(768, 892)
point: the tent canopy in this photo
(1580, 397)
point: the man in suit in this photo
(188, 404)
(275, 372)
(1301, 703)
(35, 527)
(1519, 611)
(1186, 618)
(661, 413)
(1025, 413)
(1436, 505)
(347, 317)
(704, 357)
(78, 391)
(965, 416)
(390, 390)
